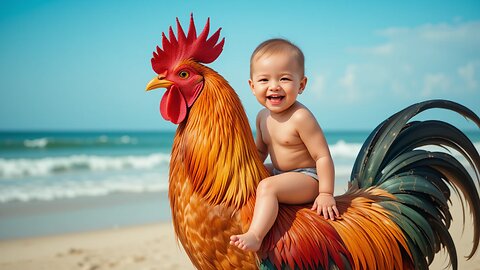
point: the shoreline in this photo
(38, 218)
(35, 218)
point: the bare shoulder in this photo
(302, 115)
(262, 115)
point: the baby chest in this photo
(281, 136)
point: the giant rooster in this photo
(394, 215)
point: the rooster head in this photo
(175, 68)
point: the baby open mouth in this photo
(275, 98)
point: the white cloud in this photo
(409, 65)
(348, 80)
(414, 63)
(379, 50)
(349, 83)
(467, 73)
(383, 49)
(319, 85)
(458, 32)
(435, 83)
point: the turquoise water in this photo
(58, 165)
(57, 182)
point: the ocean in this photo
(61, 182)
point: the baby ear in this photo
(303, 84)
(252, 87)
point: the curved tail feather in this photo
(421, 180)
(373, 152)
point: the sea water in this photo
(56, 165)
(59, 182)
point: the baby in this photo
(302, 169)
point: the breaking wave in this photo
(16, 168)
(75, 186)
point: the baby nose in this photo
(274, 86)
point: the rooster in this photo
(394, 215)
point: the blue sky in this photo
(82, 65)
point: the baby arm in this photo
(325, 203)
(313, 138)
(262, 148)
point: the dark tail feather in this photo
(374, 150)
(421, 180)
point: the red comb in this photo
(198, 48)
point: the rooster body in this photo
(203, 219)
(393, 216)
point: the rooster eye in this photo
(183, 74)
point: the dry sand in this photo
(463, 238)
(146, 247)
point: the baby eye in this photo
(285, 79)
(263, 80)
(183, 74)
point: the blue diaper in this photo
(312, 172)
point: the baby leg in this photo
(290, 188)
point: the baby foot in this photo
(247, 241)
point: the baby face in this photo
(277, 80)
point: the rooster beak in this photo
(158, 82)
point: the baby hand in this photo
(325, 203)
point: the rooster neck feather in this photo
(216, 147)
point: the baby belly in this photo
(291, 162)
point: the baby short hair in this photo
(277, 45)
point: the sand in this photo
(463, 238)
(147, 247)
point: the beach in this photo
(98, 200)
(147, 247)
(139, 247)
(118, 231)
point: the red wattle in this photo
(173, 106)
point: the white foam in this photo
(103, 139)
(15, 168)
(345, 150)
(87, 175)
(350, 150)
(128, 140)
(36, 143)
(343, 171)
(74, 187)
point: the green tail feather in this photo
(374, 150)
(422, 180)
